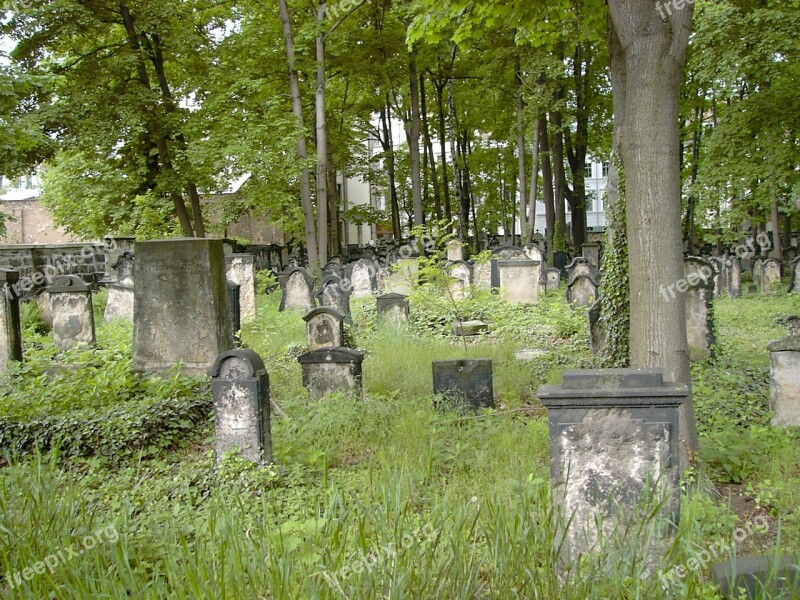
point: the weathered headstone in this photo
(234, 306)
(519, 281)
(10, 327)
(698, 285)
(770, 276)
(455, 251)
(119, 303)
(734, 278)
(582, 291)
(482, 275)
(461, 279)
(296, 285)
(403, 278)
(533, 252)
(181, 305)
(241, 269)
(757, 273)
(362, 276)
(614, 441)
(334, 292)
(330, 371)
(720, 266)
(591, 252)
(335, 267)
(325, 328)
(794, 284)
(463, 384)
(240, 386)
(597, 330)
(785, 381)
(581, 266)
(71, 307)
(553, 279)
(393, 309)
(504, 253)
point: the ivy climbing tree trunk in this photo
(648, 53)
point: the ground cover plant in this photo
(110, 488)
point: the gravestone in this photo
(362, 276)
(760, 577)
(240, 386)
(734, 278)
(519, 281)
(582, 291)
(325, 328)
(785, 381)
(720, 266)
(533, 252)
(560, 261)
(770, 276)
(464, 385)
(470, 328)
(591, 252)
(482, 275)
(335, 267)
(403, 278)
(757, 273)
(296, 285)
(330, 371)
(10, 326)
(455, 251)
(581, 266)
(461, 279)
(553, 279)
(393, 309)
(334, 293)
(119, 303)
(234, 308)
(180, 306)
(794, 283)
(612, 431)
(699, 289)
(597, 330)
(241, 270)
(113, 252)
(504, 253)
(71, 307)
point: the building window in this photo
(588, 171)
(605, 169)
(591, 201)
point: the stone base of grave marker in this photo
(329, 371)
(463, 384)
(393, 309)
(614, 441)
(785, 381)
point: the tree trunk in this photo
(547, 177)
(322, 142)
(448, 211)
(534, 187)
(463, 223)
(388, 148)
(523, 197)
(334, 235)
(413, 150)
(559, 183)
(646, 79)
(426, 134)
(302, 153)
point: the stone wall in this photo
(38, 264)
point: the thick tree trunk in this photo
(322, 142)
(302, 152)
(416, 183)
(651, 51)
(523, 197)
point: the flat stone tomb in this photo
(325, 328)
(71, 308)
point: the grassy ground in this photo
(383, 498)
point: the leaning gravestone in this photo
(241, 270)
(330, 371)
(699, 284)
(363, 277)
(482, 275)
(325, 328)
(393, 309)
(240, 386)
(519, 281)
(770, 276)
(614, 441)
(335, 294)
(785, 381)
(10, 327)
(71, 307)
(119, 303)
(296, 285)
(181, 305)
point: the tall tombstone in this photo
(335, 294)
(119, 303)
(770, 276)
(720, 266)
(699, 288)
(362, 276)
(180, 305)
(324, 328)
(455, 251)
(734, 277)
(591, 252)
(461, 274)
(613, 432)
(582, 291)
(240, 386)
(296, 285)
(785, 381)
(756, 275)
(329, 371)
(71, 307)
(553, 279)
(10, 326)
(519, 281)
(393, 309)
(241, 270)
(794, 284)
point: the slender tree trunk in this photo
(416, 188)
(534, 187)
(647, 74)
(548, 194)
(448, 211)
(777, 245)
(322, 142)
(426, 134)
(302, 152)
(388, 148)
(559, 183)
(463, 223)
(523, 197)
(334, 236)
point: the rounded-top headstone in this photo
(241, 363)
